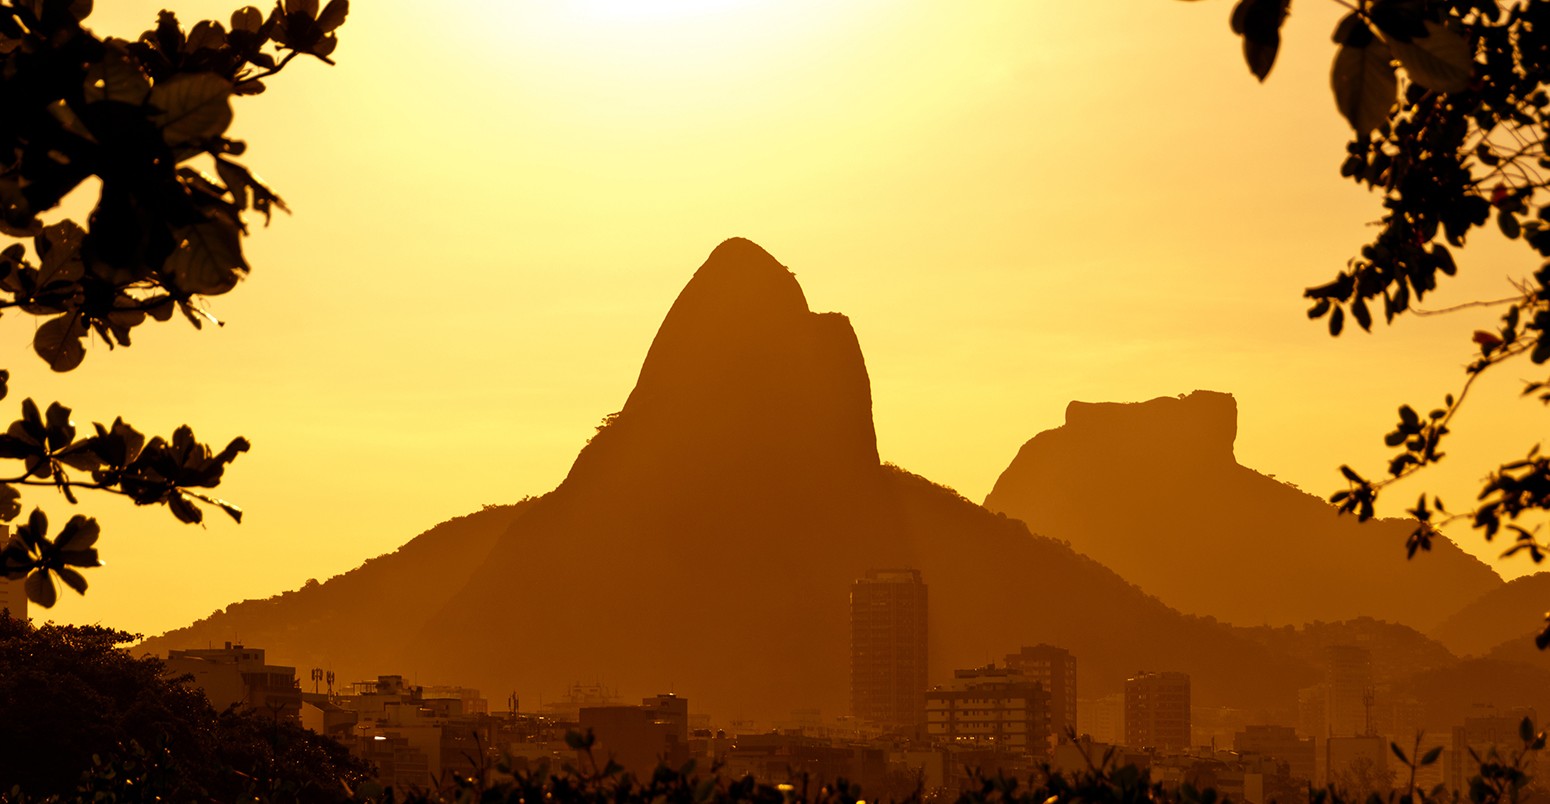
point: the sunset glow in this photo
(496, 203)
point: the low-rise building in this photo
(991, 707)
(236, 675)
(640, 737)
(1281, 744)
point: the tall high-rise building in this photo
(1348, 691)
(1055, 669)
(888, 647)
(1157, 711)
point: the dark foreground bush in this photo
(1501, 776)
(83, 719)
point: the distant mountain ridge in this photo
(1154, 491)
(1509, 615)
(324, 625)
(706, 538)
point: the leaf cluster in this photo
(148, 119)
(134, 115)
(119, 460)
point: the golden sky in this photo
(1016, 203)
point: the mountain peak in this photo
(739, 367)
(1201, 425)
(738, 280)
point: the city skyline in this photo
(993, 434)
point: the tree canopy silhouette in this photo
(1448, 106)
(88, 721)
(147, 118)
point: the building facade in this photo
(13, 593)
(1157, 711)
(1348, 691)
(1281, 744)
(13, 598)
(888, 647)
(640, 737)
(238, 676)
(1055, 669)
(990, 707)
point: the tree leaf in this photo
(1259, 23)
(61, 430)
(40, 588)
(1362, 315)
(59, 341)
(208, 259)
(184, 510)
(1364, 85)
(1441, 61)
(247, 18)
(59, 247)
(116, 78)
(193, 107)
(79, 533)
(333, 15)
(206, 35)
(1353, 31)
(72, 579)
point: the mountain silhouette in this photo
(349, 623)
(705, 540)
(1153, 490)
(1511, 615)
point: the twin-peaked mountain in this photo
(705, 541)
(1153, 491)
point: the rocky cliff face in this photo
(1153, 491)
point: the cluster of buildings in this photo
(903, 733)
(1025, 713)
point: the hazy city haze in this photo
(622, 393)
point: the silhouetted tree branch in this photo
(137, 115)
(1448, 104)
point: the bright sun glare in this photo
(656, 10)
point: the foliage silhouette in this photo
(1448, 104)
(1500, 777)
(138, 116)
(83, 717)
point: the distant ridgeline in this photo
(1153, 491)
(706, 539)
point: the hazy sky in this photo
(1016, 203)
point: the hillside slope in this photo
(1153, 490)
